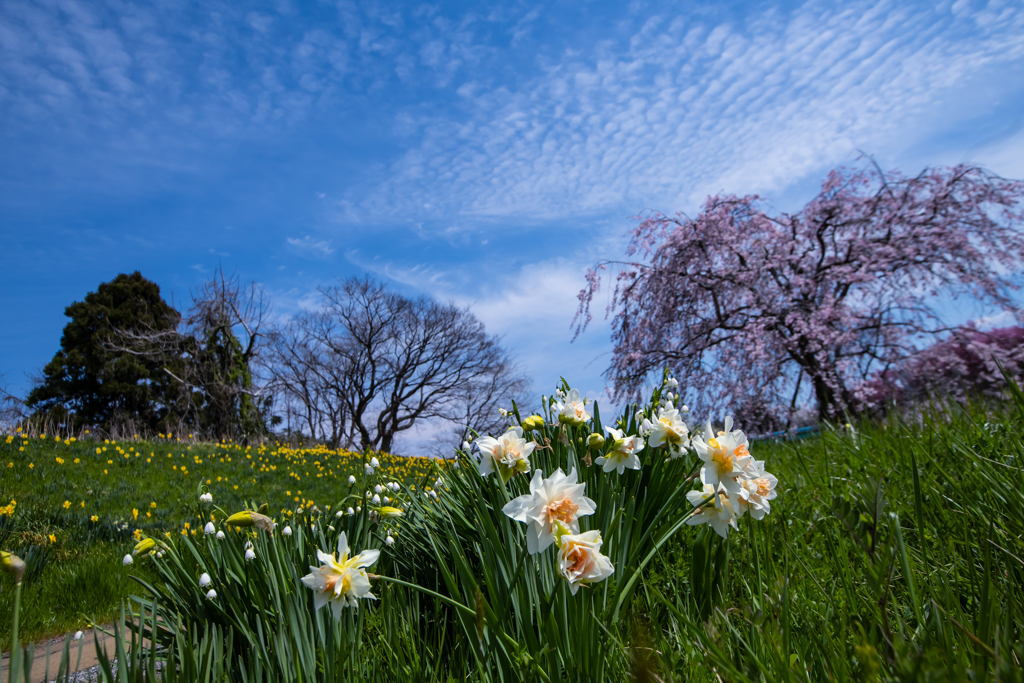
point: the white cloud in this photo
(530, 306)
(307, 246)
(688, 109)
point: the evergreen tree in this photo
(91, 383)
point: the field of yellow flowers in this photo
(73, 506)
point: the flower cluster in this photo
(552, 510)
(733, 482)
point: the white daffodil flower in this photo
(211, 594)
(552, 506)
(250, 554)
(389, 540)
(220, 535)
(580, 561)
(715, 508)
(339, 513)
(433, 495)
(574, 410)
(623, 456)
(78, 635)
(206, 498)
(760, 488)
(509, 453)
(671, 382)
(374, 462)
(725, 458)
(349, 511)
(369, 469)
(378, 488)
(341, 581)
(375, 500)
(351, 479)
(204, 580)
(209, 528)
(127, 560)
(287, 531)
(668, 429)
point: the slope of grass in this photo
(893, 552)
(74, 508)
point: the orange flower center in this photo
(580, 559)
(563, 511)
(763, 486)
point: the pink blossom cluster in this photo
(968, 364)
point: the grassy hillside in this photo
(73, 508)
(893, 552)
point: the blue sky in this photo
(481, 152)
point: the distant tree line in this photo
(358, 370)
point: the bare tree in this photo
(12, 408)
(372, 363)
(311, 383)
(212, 354)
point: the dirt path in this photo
(56, 646)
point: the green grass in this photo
(893, 553)
(51, 490)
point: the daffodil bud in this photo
(143, 546)
(388, 511)
(13, 565)
(248, 518)
(595, 441)
(533, 422)
(263, 509)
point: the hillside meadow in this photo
(893, 551)
(73, 507)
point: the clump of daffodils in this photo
(733, 483)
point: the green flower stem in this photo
(509, 640)
(16, 658)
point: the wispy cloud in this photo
(685, 108)
(307, 246)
